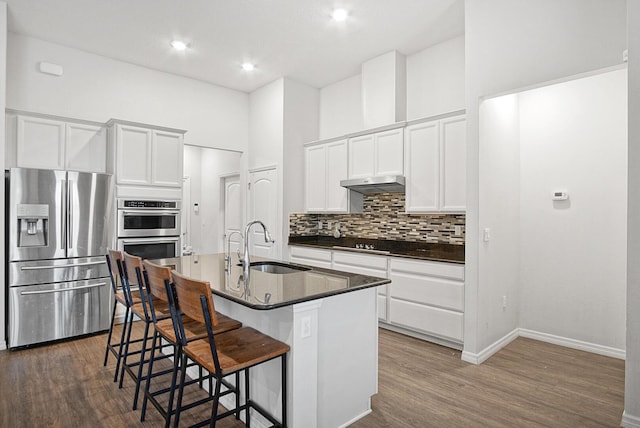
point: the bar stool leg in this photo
(149, 372)
(284, 390)
(138, 378)
(124, 331)
(247, 400)
(126, 349)
(106, 353)
(183, 374)
(237, 395)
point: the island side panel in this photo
(348, 357)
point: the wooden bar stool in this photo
(158, 279)
(123, 297)
(224, 354)
(132, 273)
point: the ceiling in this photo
(292, 38)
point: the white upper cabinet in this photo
(377, 154)
(325, 166)
(87, 148)
(436, 165)
(51, 142)
(147, 156)
(453, 175)
(166, 164)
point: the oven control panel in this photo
(133, 203)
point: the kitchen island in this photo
(327, 317)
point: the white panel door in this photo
(337, 197)
(86, 148)
(315, 178)
(361, 156)
(232, 212)
(134, 155)
(453, 175)
(263, 206)
(166, 165)
(40, 143)
(423, 167)
(389, 153)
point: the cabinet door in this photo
(86, 148)
(166, 164)
(389, 153)
(337, 197)
(315, 178)
(423, 167)
(361, 156)
(453, 176)
(134, 155)
(40, 143)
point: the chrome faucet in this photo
(227, 258)
(246, 262)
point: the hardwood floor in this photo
(529, 383)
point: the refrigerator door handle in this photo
(60, 266)
(58, 290)
(70, 212)
(63, 216)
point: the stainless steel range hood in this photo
(369, 185)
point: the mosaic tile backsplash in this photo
(383, 217)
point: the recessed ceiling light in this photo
(178, 45)
(339, 14)
(247, 66)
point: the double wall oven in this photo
(149, 229)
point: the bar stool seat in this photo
(195, 330)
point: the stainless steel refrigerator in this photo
(58, 230)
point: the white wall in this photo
(508, 45)
(3, 87)
(435, 80)
(98, 88)
(631, 416)
(266, 122)
(204, 167)
(573, 136)
(341, 108)
(300, 126)
(500, 208)
(215, 164)
(435, 85)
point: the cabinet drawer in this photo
(361, 263)
(436, 321)
(439, 269)
(311, 257)
(429, 290)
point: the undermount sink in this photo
(276, 267)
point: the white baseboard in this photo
(487, 352)
(630, 421)
(574, 344)
(357, 418)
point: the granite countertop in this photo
(410, 249)
(268, 290)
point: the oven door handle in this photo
(150, 213)
(147, 241)
(60, 290)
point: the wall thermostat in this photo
(560, 196)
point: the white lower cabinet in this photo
(310, 256)
(427, 297)
(365, 264)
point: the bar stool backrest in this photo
(132, 273)
(188, 292)
(156, 277)
(114, 260)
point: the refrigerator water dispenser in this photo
(33, 223)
